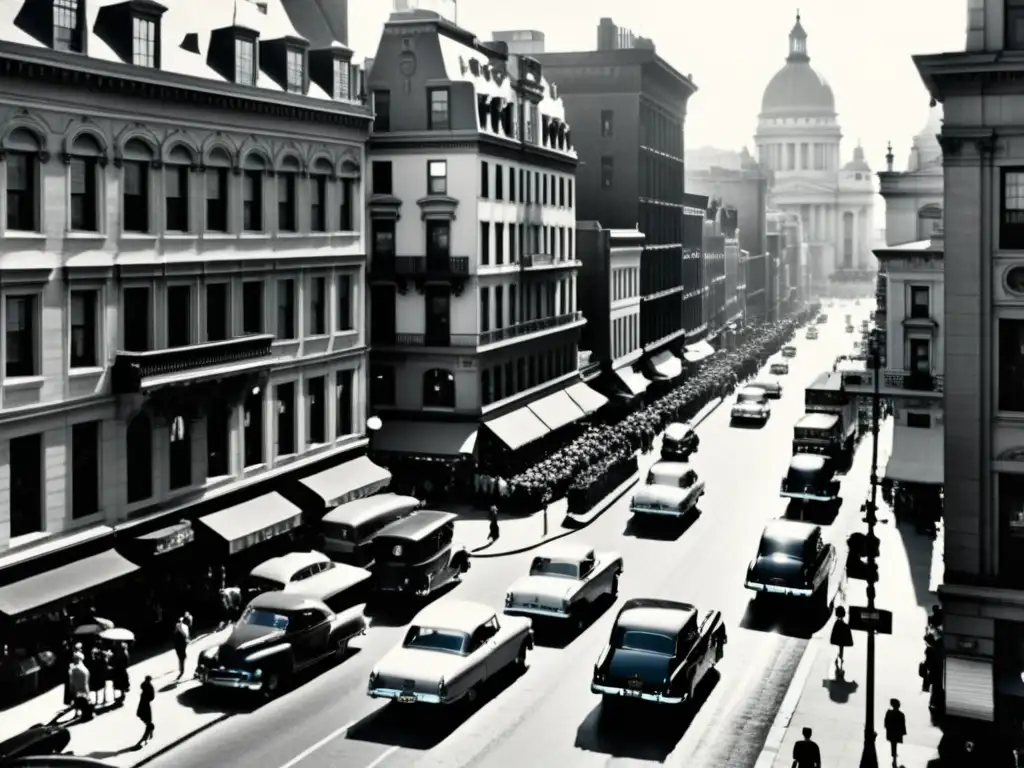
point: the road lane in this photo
(541, 716)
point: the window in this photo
(217, 311)
(84, 197)
(317, 306)
(1011, 235)
(179, 453)
(137, 319)
(20, 336)
(344, 398)
(342, 81)
(381, 111)
(383, 316)
(317, 203)
(512, 184)
(381, 177)
(486, 393)
(285, 419)
(512, 296)
(485, 309)
(919, 420)
(544, 188)
(218, 440)
(607, 126)
(569, 184)
(144, 43)
(85, 469)
(176, 197)
(499, 307)
(382, 385)
(252, 306)
(606, 172)
(437, 177)
(286, 309)
(179, 315)
(84, 330)
(217, 199)
(561, 192)
(286, 202)
(26, 489)
(920, 355)
(346, 191)
(439, 115)
(136, 196)
(252, 201)
(22, 200)
(512, 252)
(139, 458)
(344, 302)
(1011, 365)
(919, 301)
(485, 243)
(296, 71)
(499, 243)
(485, 181)
(67, 26)
(438, 389)
(1014, 26)
(245, 62)
(316, 410)
(253, 428)
(499, 182)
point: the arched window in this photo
(86, 154)
(929, 221)
(137, 160)
(218, 166)
(139, 458)
(438, 389)
(847, 240)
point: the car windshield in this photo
(750, 397)
(258, 617)
(446, 640)
(789, 547)
(648, 642)
(545, 566)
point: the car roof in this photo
(789, 530)
(817, 420)
(281, 568)
(678, 428)
(286, 601)
(339, 577)
(567, 551)
(646, 614)
(764, 384)
(807, 462)
(418, 525)
(357, 512)
(460, 615)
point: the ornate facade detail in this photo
(437, 207)
(385, 207)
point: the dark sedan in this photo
(36, 741)
(793, 560)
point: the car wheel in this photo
(340, 649)
(272, 685)
(519, 665)
(579, 622)
(471, 695)
(614, 592)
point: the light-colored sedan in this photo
(451, 649)
(772, 387)
(779, 369)
(751, 405)
(565, 580)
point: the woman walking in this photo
(842, 638)
(145, 710)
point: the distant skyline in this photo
(732, 48)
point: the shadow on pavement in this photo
(617, 731)
(839, 688)
(558, 635)
(784, 616)
(919, 548)
(747, 424)
(202, 700)
(409, 727)
(398, 611)
(659, 529)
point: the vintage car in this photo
(451, 649)
(566, 579)
(279, 635)
(278, 573)
(348, 530)
(811, 477)
(819, 433)
(812, 333)
(672, 490)
(417, 555)
(789, 351)
(822, 319)
(679, 442)
(751, 405)
(850, 329)
(793, 560)
(38, 740)
(779, 368)
(772, 387)
(659, 651)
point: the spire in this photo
(798, 42)
(889, 157)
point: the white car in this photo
(279, 574)
(812, 334)
(565, 580)
(751, 405)
(779, 369)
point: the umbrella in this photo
(118, 635)
(85, 630)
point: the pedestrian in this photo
(145, 710)
(224, 606)
(78, 687)
(97, 667)
(895, 727)
(182, 636)
(806, 753)
(842, 637)
(119, 662)
(492, 517)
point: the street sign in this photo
(864, 620)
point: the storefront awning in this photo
(254, 521)
(917, 455)
(426, 438)
(969, 688)
(636, 383)
(517, 428)
(168, 539)
(667, 364)
(556, 410)
(351, 480)
(697, 352)
(586, 398)
(47, 589)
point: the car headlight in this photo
(508, 599)
(258, 674)
(373, 679)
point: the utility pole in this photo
(869, 757)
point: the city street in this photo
(548, 716)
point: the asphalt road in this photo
(548, 717)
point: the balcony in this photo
(529, 327)
(442, 340)
(894, 383)
(421, 270)
(465, 341)
(141, 372)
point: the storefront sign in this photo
(265, 534)
(175, 539)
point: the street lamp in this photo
(374, 423)
(869, 757)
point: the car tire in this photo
(614, 591)
(340, 649)
(578, 621)
(273, 685)
(519, 665)
(471, 696)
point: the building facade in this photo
(798, 140)
(181, 260)
(913, 197)
(720, 254)
(472, 230)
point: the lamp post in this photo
(869, 757)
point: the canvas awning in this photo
(49, 588)
(426, 438)
(517, 428)
(556, 410)
(586, 398)
(252, 522)
(917, 456)
(667, 365)
(697, 352)
(351, 480)
(635, 383)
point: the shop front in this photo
(557, 410)
(698, 351)
(322, 491)
(663, 367)
(914, 473)
(589, 401)
(428, 459)
(628, 385)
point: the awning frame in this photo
(535, 429)
(446, 433)
(324, 484)
(586, 397)
(917, 455)
(279, 516)
(564, 406)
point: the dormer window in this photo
(67, 26)
(245, 61)
(144, 40)
(295, 71)
(341, 80)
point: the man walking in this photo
(806, 753)
(182, 636)
(895, 727)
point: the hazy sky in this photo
(732, 48)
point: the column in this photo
(856, 237)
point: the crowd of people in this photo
(599, 451)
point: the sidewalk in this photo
(910, 569)
(526, 532)
(111, 735)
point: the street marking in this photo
(385, 756)
(323, 743)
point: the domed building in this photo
(798, 142)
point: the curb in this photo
(781, 723)
(180, 740)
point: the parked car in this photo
(751, 405)
(772, 387)
(451, 649)
(35, 741)
(811, 477)
(679, 442)
(349, 530)
(789, 351)
(793, 560)
(659, 651)
(278, 636)
(565, 580)
(417, 555)
(279, 573)
(812, 333)
(822, 319)
(779, 368)
(850, 329)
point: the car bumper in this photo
(244, 681)
(772, 589)
(748, 416)
(628, 693)
(406, 697)
(806, 496)
(536, 611)
(657, 512)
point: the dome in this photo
(925, 150)
(797, 90)
(858, 163)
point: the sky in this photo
(731, 49)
